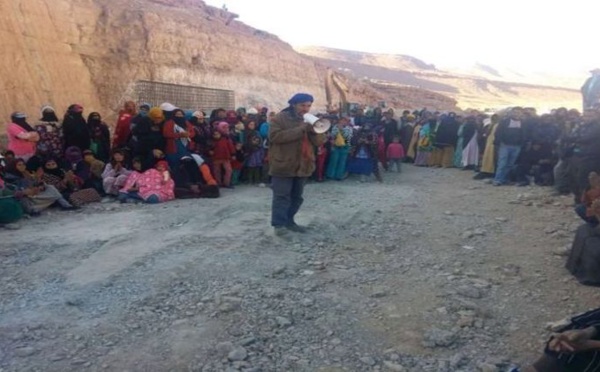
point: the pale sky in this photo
(525, 35)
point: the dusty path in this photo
(430, 271)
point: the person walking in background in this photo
(291, 161)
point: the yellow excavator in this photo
(333, 80)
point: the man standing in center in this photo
(291, 161)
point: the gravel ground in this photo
(429, 271)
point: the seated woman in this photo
(536, 160)
(153, 186)
(10, 208)
(584, 258)
(22, 138)
(96, 169)
(575, 348)
(37, 195)
(85, 167)
(115, 174)
(584, 210)
(194, 180)
(69, 185)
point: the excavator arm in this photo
(335, 81)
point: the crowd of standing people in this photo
(156, 154)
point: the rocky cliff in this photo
(91, 51)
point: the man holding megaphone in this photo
(291, 161)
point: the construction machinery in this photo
(335, 81)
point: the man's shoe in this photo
(280, 231)
(297, 228)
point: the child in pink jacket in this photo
(395, 154)
(153, 186)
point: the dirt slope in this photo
(481, 87)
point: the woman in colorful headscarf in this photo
(100, 135)
(75, 129)
(49, 129)
(149, 134)
(425, 143)
(123, 127)
(22, 138)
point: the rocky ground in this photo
(429, 271)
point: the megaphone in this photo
(319, 125)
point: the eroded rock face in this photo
(41, 62)
(91, 51)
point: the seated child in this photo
(153, 186)
(115, 174)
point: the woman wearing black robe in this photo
(100, 137)
(75, 129)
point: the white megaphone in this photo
(319, 125)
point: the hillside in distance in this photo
(479, 87)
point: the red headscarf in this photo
(163, 163)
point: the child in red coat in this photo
(395, 154)
(321, 157)
(237, 164)
(222, 154)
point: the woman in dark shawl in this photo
(38, 195)
(75, 129)
(100, 137)
(202, 134)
